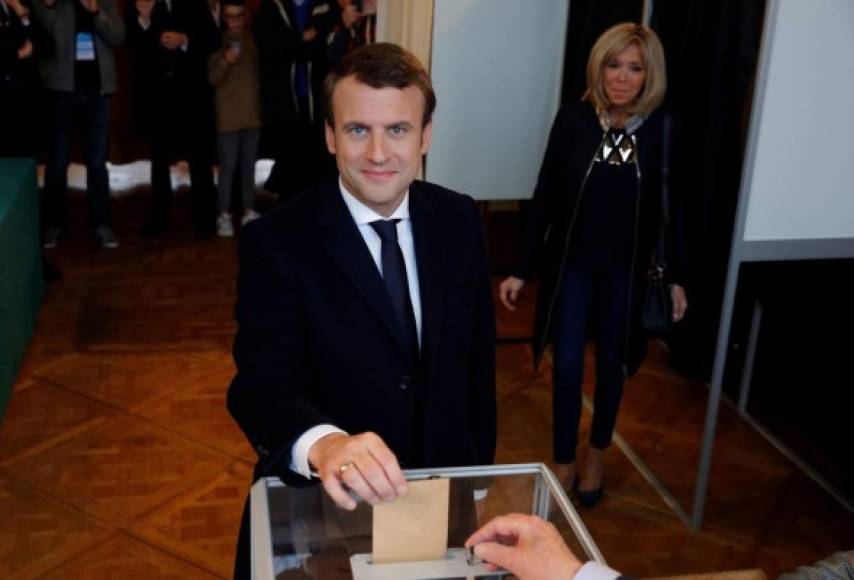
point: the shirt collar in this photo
(362, 214)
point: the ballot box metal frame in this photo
(547, 489)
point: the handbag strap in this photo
(660, 246)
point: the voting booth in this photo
(300, 533)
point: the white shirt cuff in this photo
(299, 452)
(595, 571)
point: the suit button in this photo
(262, 451)
(403, 386)
(404, 382)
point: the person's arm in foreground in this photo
(532, 549)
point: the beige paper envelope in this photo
(415, 526)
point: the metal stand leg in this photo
(750, 357)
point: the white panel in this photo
(802, 183)
(497, 67)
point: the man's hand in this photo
(171, 40)
(19, 9)
(362, 463)
(144, 8)
(509, 290)
(309, 34)
(90, 6)
(680, 302)
(525, 546)
(231, 55)
(26, 50)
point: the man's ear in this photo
(330, 137)
(426, 136)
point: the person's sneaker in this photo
(106, 237)
(224, 227)
(249, 215)
(51, 237)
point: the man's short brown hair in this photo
(380, 65)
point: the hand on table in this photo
(526, 546)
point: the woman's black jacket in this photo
(574, 140)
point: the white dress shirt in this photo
(363, 216)
(594, 571)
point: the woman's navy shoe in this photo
(588, 499)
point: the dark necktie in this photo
(394, 275)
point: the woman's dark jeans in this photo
(582, 294)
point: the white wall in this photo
(801, 182)
(497, 67)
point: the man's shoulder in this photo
(440, 197)
(297, 217)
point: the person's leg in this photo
(570, 326)
(56, 171)
(248, 154)
(161, 146)
(202, 192)
(97, 125)
(610, 374)
(228, 146)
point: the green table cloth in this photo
(21, 282)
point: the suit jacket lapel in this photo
(430, 238)
(345, 245)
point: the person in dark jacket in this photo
(22, 40)
(169, 42)
(596, 214)
(80, 75)
(366, 330)
(291, 38)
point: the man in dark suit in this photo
(359, 353)
(170, 41)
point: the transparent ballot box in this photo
(301, 533)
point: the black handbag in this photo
(657, 314)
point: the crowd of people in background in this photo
(210, 83)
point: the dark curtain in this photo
(712, 49)
(587, 20)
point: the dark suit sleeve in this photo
(481, 396)
(542, 209)
(267, 397)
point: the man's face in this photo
(378, 141)
(235, 18)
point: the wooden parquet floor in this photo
(119, 460)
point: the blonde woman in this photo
(596, 215)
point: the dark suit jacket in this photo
(174, 80)
(317, 340)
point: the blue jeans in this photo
(604, 295)
(237, 149)
(92, 112)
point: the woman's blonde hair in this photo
(615, 40)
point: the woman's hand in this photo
(680, 302)
(509, 290)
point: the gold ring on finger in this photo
(344, 467)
